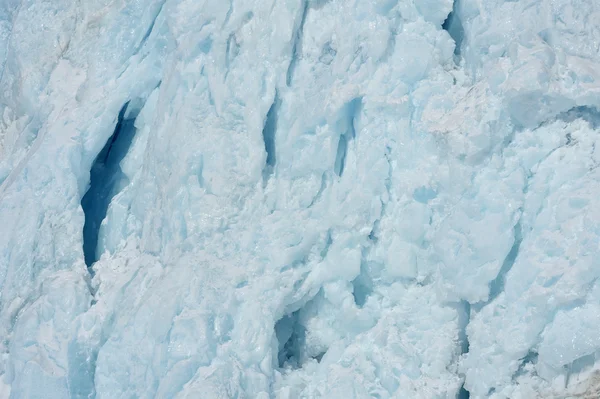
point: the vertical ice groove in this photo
(150, 28)
(340, 157)
(268, 133)
(362, 285)
(104, 176)
(228, 15)
(349, 115)
(317, 197)
(227, 53)
(497, 285)
(353, 109)
(297, 44)
(464, 317)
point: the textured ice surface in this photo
(299, 199)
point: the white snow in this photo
(321, 198)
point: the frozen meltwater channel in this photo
(299, 199)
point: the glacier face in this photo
(299, 199)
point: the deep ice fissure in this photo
(105, 177)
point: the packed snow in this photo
(299, 199)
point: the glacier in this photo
(299, 199)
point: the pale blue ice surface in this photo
(299, 199)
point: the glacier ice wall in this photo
(299, 199)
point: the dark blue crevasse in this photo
(291, 336)
(269, 132)
(453, 25)
(362, 285)
(293, 350)
(104, 176)
(464, 318)
(589, 114)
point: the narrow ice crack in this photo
(464, 318)
(149, 30)
(349, 114)
(340, 157)
(317, 197)
(497, 285)
(228, 14)
(297, 44)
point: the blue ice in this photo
(299, 199)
